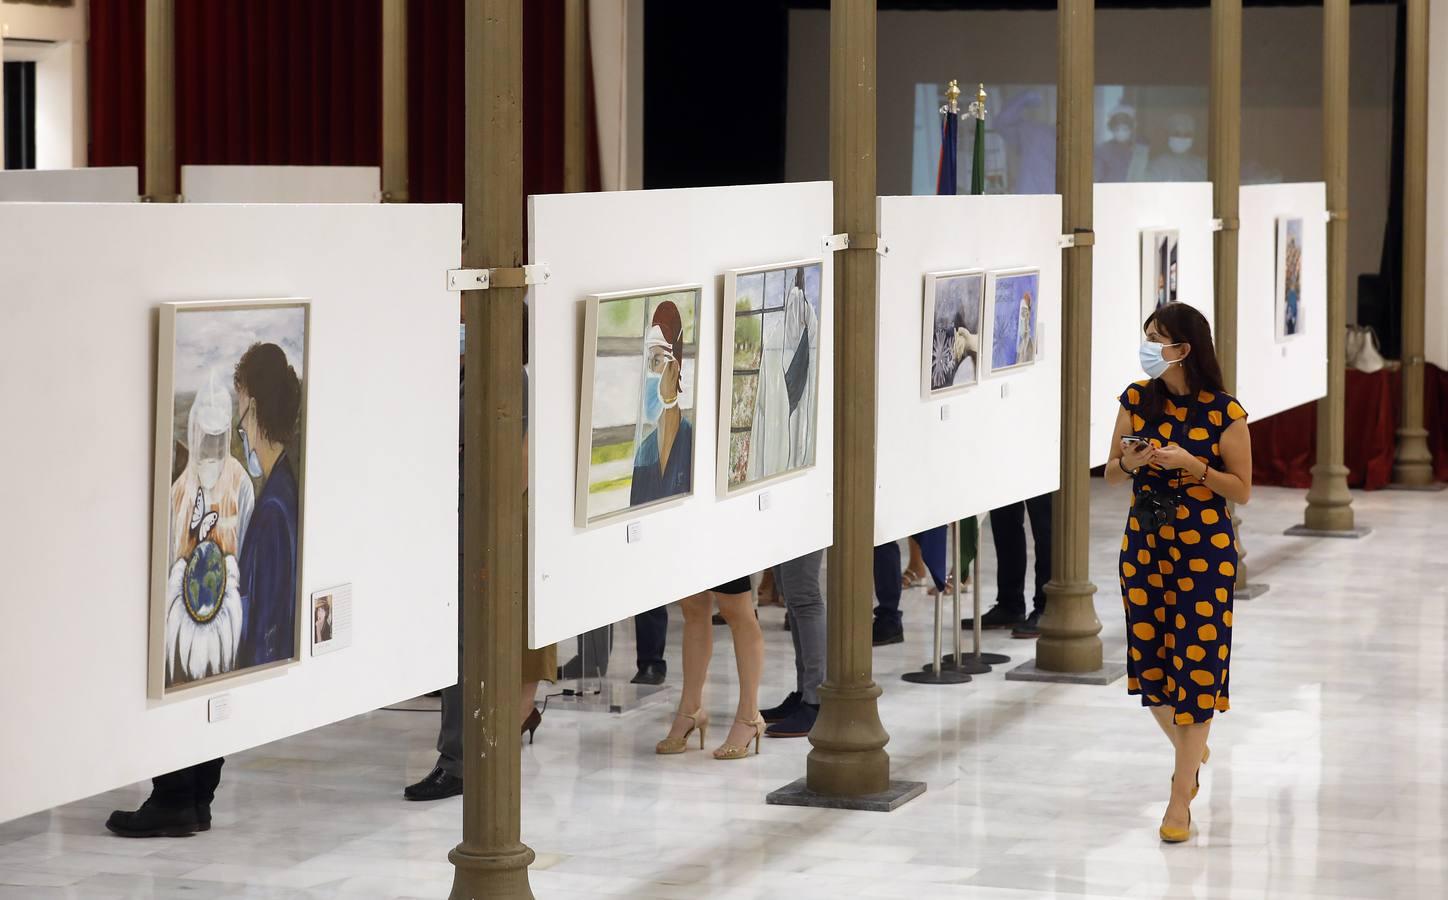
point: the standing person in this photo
(889, 627)
(1178, 163)
(736, 603)
(799, 584)
(1182, 443)
(1122, 158)
(663, 463)
(1008, 534)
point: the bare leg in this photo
(1191, 743)
(915, 570)
(1163, 717)
(738, 611)
(525, 700)
(698, 647)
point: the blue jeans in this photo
(888, 571)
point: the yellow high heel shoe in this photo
(729, 751)
(670, 745)
(1177, 835)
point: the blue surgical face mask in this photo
(653, 400)
(253, 462)
(1152, 361)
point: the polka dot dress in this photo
(1176, 583)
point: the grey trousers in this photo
(798, 581)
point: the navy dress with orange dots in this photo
(1176, 582)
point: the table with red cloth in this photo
(1284, 446)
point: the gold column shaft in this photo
(492, 861)
(160, 170)
(394, 101)
(1070, 631)
(848, 756)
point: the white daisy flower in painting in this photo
(203, 615)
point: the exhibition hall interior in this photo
(879, 431)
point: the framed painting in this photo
(230, 459)
(1158, 271)
(1014, 312)
(950, 341)
(636, 422)
(769, 373)
(1287, 312)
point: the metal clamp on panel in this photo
(1226, 224)
(1081, 237)
(1335, 215)
(484, 279)
(874, 242)
(833, 242)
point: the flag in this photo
(949, 140)
(977, 167)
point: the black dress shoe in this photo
(996, 617)
(784, 710)
(882, 634)
(1031, 628)
(154, 821)
(650, 673)
(797, 725)
(203, 817)
(438, 785)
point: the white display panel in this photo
(1122, 213)
(281, 184)
(78, 333)
(624, 241)
(1274, 375)
(990, 444)
(118, 184)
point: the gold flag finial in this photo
(980, 95)
(952, 99)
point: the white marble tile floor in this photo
(1327, 778)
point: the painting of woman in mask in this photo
(768, 393)
(636, 429)
(216, 497)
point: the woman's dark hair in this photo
(667, 317)
(265, 375)
(1182, 324)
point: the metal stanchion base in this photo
(928, 675)
(969, 663)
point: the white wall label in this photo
(945, 412)
(635, 532)
(331, 619)
(218, 708)
(1005, 389)
(765, 501)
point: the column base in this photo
(1430, 487)
(1070, 639)
(1329, 502)
(1413, 461)
(1307, 531)
(502, 875)
(1030, 671)
(1250, 591)
(895, 795)
(849, 758)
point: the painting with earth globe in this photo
(231, 441)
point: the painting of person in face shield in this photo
(228, 468)
(637, 445)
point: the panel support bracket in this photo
(484, 279)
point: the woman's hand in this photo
(1134, 455)
(1174, 457)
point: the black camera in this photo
(1154, 510)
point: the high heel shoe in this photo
(530, 724)
(729, 751)
(1177, 835)
(670, 745)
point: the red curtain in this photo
(1284, 446)
(116, 84)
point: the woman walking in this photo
(1183, 445)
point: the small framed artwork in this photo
(331, 619)
(636, 411)
(1287, 312)
(1014, 316)
(230, 458)
(1158, 271)
(950, 340)
(769, 373)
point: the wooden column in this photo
(1413, 465)
(1070, 641)
(1329, 504)
(160, 173)
(394, 101)
(849, 740)
(492, 861)
(575, 101)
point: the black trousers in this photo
(651, 630)
(191, 786)
(1008, 531)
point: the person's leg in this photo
(651, 630)
(932, 543)
(915, 569)
(1162, 715)
(1008, 532)
(170, 811)
(738, 611)
(698, 648)
(799, 581)
(1191, 745)
(450, 725)
(527, 698)
(1039, 509)
(887, 591)
(207, 777)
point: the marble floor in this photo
(1327, 778)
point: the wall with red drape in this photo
(116, 85)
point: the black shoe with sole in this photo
(438, 785)
(1031, 628)
(797, 725)
(784, 710)
(154, 821)
(651, 673)
(882, 634)
(996, 617)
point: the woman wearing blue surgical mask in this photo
(1182, 443)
